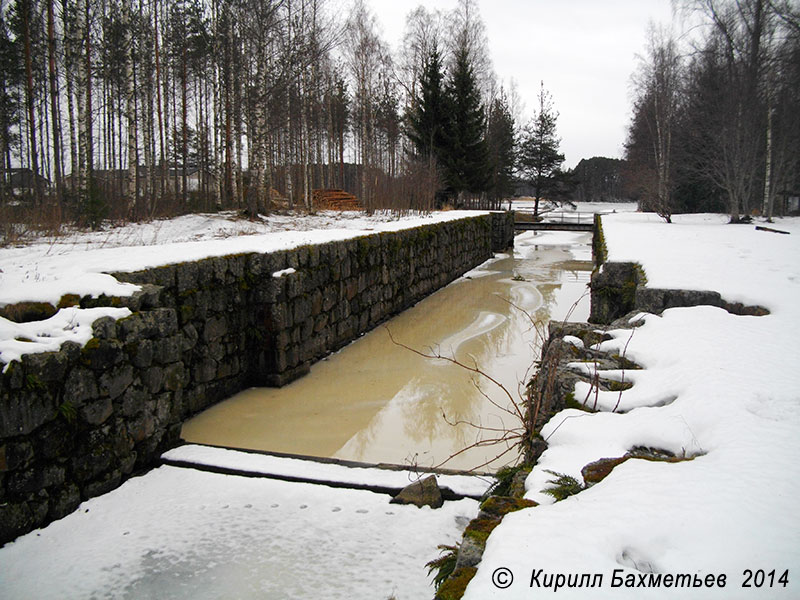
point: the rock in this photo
(598, 470)
(424, 492)
(27, 312)
(470, 553)
(15, 519)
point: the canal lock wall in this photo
(76, 423)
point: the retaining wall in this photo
(76, 423)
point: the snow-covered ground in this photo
(180, 533)
(721, 388)
(79, 263)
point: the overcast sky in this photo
(583, 50)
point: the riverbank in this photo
(718, 392)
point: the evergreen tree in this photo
(466, 154)
(540, 161)
(501, 140)
(428, 117)
(11, 74)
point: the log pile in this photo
(329, 199)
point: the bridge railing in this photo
(561, 216)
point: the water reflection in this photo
(374, 401)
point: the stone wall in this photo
(76, 423)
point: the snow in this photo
(181, 533)
(282, 272)
(717, 388)
(79, 263)
(252, 462)
(67, 325)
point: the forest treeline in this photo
(132, 108)
(716, 117)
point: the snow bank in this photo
(80, 263)
(718, 388)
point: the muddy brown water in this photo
(375, 401)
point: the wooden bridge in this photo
(561, 221)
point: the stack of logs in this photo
(334, 200)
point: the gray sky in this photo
(583, 50)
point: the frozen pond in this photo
(375, 401)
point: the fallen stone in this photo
(424, 492)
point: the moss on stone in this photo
(69, 300)
(454, 588)
(617, 386)
(26, 312)
(500, 506)
(480, 528)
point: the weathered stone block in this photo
(102, 354)
(174, 377)
(134, 400)
(63, 501)
(186, 276)
(189, 338)
(16, 454)
(32, 480)
(153, 379)
(26, 410)
(15, 519)
(96, 412)
(108, 482)
(91, 464)
(115, 381)
(140, 353)
(214, 328)
(168, 350)
(55, 440)
(141, 427)
(80, 385)
(205, 371)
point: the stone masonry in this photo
(78, 422)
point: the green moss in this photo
(502, 505)
(453, 588)
(69, 300)
(571, 402)
(617, 386)
(479, 529)
(625, 363)
(26, 312)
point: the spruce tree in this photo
(501, 140)
(539, 160)
(11, 77)
(428, 117)
(466, 155)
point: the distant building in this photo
(23, 181)
(196, 179)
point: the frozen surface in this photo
(79, 263)
(467, 485)
(717, 387)
(179, 533)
